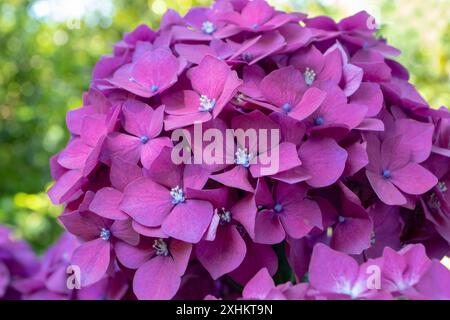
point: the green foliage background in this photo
(45, 65)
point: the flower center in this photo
(386, 173)
(341, 219)
(255, 26)
(373, 239)
(286, 107)
(208, 27)
(243, 158)
(319, 121)
(105, 234)
(442, 186)
(433, 201)
(247, 57)
(154, 88)
(177, 195)
(225, 216)
(278, 207)
(310, 76)
(161, 248)
(144, 139)
(206, 104)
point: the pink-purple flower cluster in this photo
(406, 274)
(17, 262)
(363, 163)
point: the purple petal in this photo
(331, 271)
(188, 221)
(384, 189)
(146, 202)
(285, 85)
(106, 204)
(93, 259)
(156, 279)
(155, 72)
(122, 230)
(224, 254)
(234, 178)
(268, 228)
(413, 179)
(259, 286)
(325, 161)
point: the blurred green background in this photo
(48, 48)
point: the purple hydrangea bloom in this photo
(362, 166)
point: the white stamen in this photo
(161, 247)
(105, 234)
(243, 158)
(433, 201)
(442, 186)
(225, 216)
(310, 76)
(206, 104)
(177, 195)
(208, 27)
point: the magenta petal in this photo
(188, 221)
(384, 189)
(417, 136)
(156, 279)
(413, 179)
(245, 213)
(74, 155)
(282, 158)
(224, 254)
(403, 269)
(259, 286)
(310, 102)
(131, 256)
(195, 176)
(146, 202)
(310, 58)
(174, 122)
(93, 259)
(435, 283)
(4, 279)
(285, 85)
(370, 95)
(352, 77)
(137, 117)
(194, 53)
(155, 72)
(325, 161)
(258, 256)
(370, 124)
(151, 150)
(235, 178)
(106, 204)
(180, 252)
(268, 228)
(124, 146)
(332, 69)
(300, 217)
(331, 271)
(164, 171)
(122, 230)
(123, 173)
(231, 85)
(209, 77)
(352, 236)
(67, 186)
(152, 232)
(81, 225)
(357, 158)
